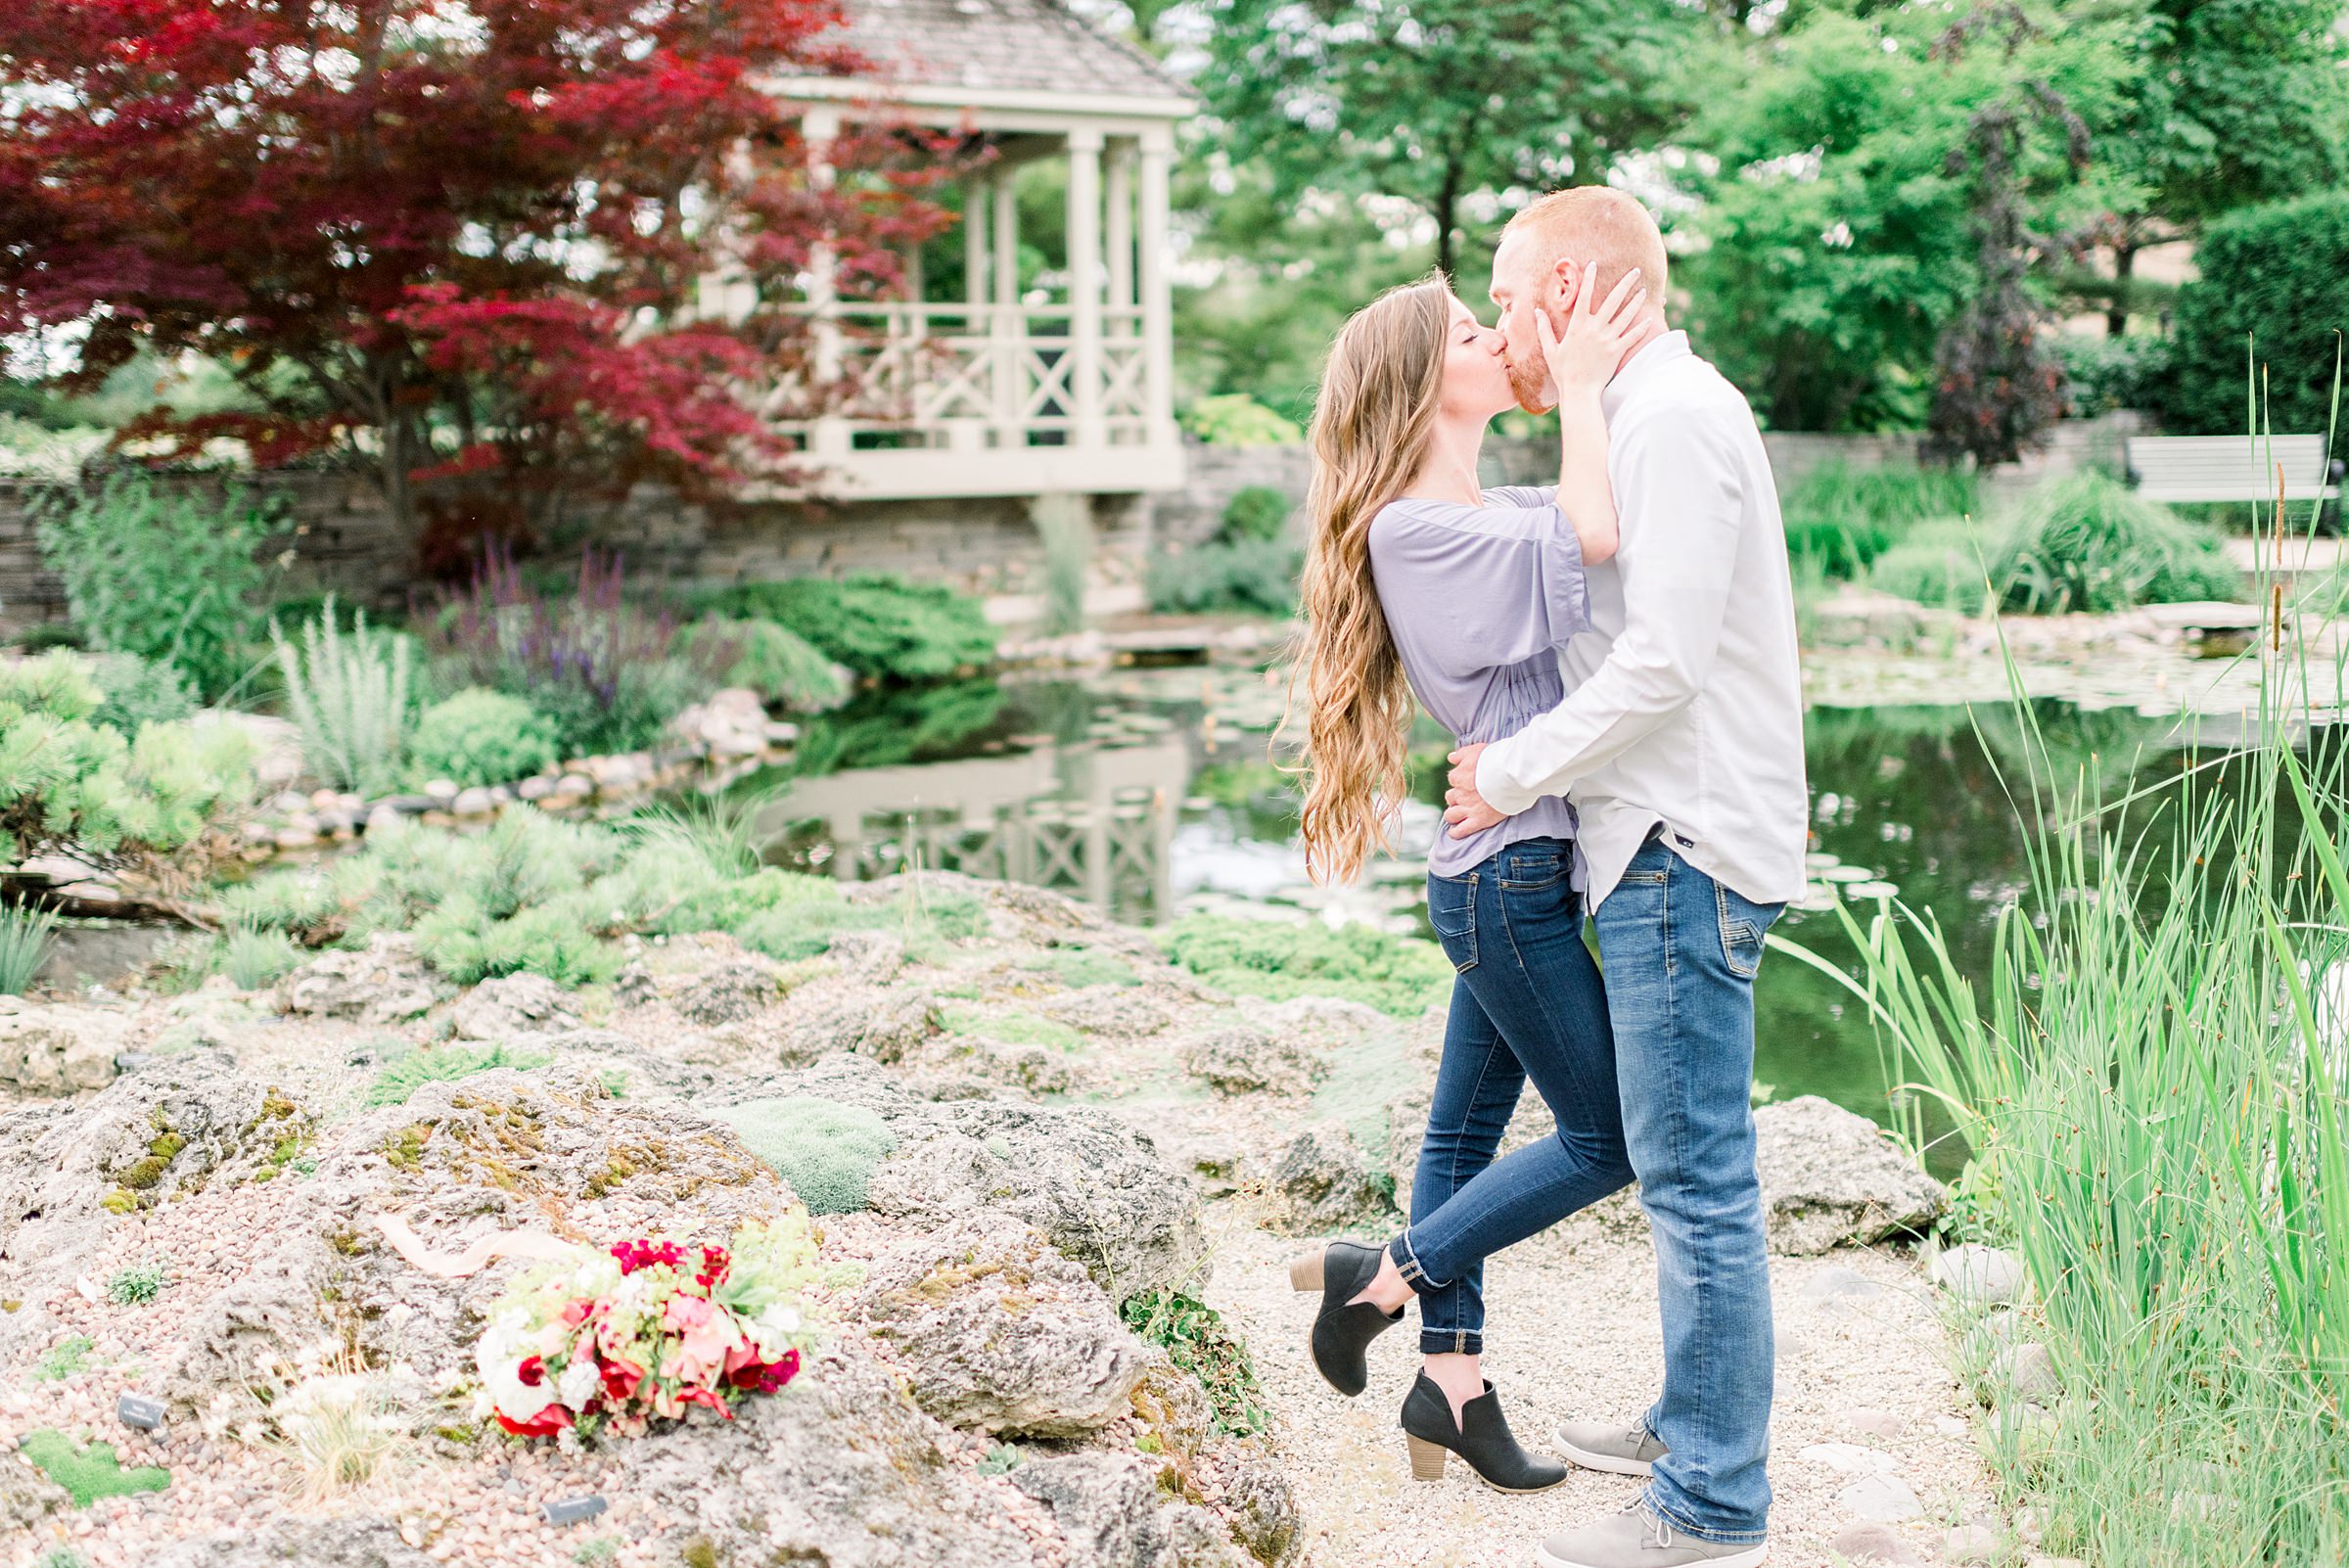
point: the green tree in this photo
(1837, 236)
(2229, 102)
(1436, 101)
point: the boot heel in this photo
(1427, 1459)
(1306, 1272)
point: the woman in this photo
(1413, 574)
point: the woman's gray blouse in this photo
(1478, 600)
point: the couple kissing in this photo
(1616, 658)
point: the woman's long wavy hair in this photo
(1371, 423)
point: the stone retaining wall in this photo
(341, 537)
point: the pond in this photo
(1148, 792)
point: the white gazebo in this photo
(1002, 394)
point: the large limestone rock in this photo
(1108, 1506)
(384, 984)
(1830, 1179)
(1096, 1188)
(56, 1050)
(1321, 1182)
(512, 1005)
(995, 1329)
(838, 1469)
(886, 1023)
(1248, 1061)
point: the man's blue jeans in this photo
(1680, 952)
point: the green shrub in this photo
(1195, 1339)
(69, 783)
(137, 691)
(2103, 374)
(1248, 576)
(2089, 542)
(1841, 517)
(136, 1285)
(164, 571)
(25, 937)
(1235, 419)
(87, 1474)
(827, 1151)
(482, 737)
(1939, 563)
(1254, 512)
(252, 958)
(397, 1081)
(735, 904)
(782, 667)
(892, 724)
(1398, 975)
(2278, 275)
(467, 944)
(348, 694)
(880, 627)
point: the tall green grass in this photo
(1842, 518)
(2154, 1091)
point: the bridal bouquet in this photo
(647, 1329)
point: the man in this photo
(1680, 747)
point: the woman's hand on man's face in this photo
(1582, 354)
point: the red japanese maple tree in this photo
(457, 237)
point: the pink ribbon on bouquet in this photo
(446, 1265)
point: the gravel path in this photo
(1862, 1387)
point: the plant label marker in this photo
(572, 1510)
(144, 1414)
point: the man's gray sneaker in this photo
(1624, 1449)
(1638, 1539)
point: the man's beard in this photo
(1529, 383)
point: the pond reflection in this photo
(1149, 794)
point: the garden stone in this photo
(1882, 1499)
(242, 1334)
(1319, 1021)
(474, 801)
(514, 1004)
(536, 788)
(1124, 1011)
(1970, 1544)
(840, 1469)
(1097, 1189)
(1978, 1275)
(1265, 1518)
(1319, 1182)
(1830, 1179)
(887, 1024)
(994, 1329)
(730, 992)
(1872, 1544)
(1244, 1061)
(2026, 1371)
(386, 984)
(27, 1497)
(441, 791)
(344, 1541)
(57, 1050)
(1107, 1506)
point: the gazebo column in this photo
(1117, 230)
(968, 434)
(1086, 287)
(1008, 329)
(1158, 321)
(828, 437)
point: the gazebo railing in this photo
(922, 373)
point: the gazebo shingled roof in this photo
(1001, 46)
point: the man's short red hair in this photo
(1596, 223)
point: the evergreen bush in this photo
(881, 627)
(1235, 419)
(481, 737)
(782, 667)
(826, 1150)
(1939, 563)
(2274, 279)
(1248, 577)
(1254, 512)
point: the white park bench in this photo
(2231, 468)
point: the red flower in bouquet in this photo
(635, 1255)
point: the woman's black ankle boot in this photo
(1344, 1328)
(1482, 1438)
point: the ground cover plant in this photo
(1399, 975)
(1195, 1339)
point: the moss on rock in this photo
(826, 1150)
